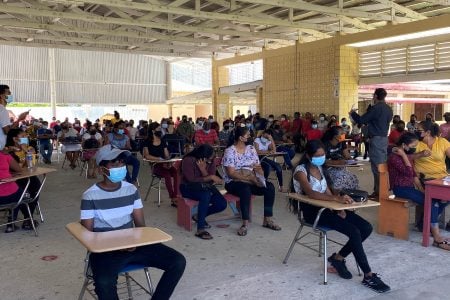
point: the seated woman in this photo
(197, 183)
(405, 183)
(18, 147)
(280, 138)
(91, 142)
(309, 179)
(10, 191)
(156, 149)
(68, 138)
(265, 145)
(120, 140)
(432, 150)
(237, 160)
(337, 154)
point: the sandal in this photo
(242, 231)
(11, 228)
(195, 219)
(204, 235)
(26, 225)
(443, 245)
(272, 225)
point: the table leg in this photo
(426, 217)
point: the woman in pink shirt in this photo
(10, 191)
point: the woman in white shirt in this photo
(242, 177)
(265, 145)
(309, 179)
(71, 143)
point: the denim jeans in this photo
(355, 227)
(377, 155)
(107, 265)
(267, 164)
(208, 203)
(245, 191)
(416, 196)
(134, 162)
(290, 153)
(46, 149)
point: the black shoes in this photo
(340, 267)
(375, 283)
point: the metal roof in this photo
(197, 28)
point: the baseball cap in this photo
(107, 152)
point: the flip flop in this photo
(272, 225)
(443, 245)
(242, 231)
(204, 235)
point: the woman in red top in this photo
(396, 133)
(314, 133)
(9, 192)
(405, 183)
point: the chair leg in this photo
(325, 265)
(127, 279)
(159, 192)
(38, 206)
(83, 288)
(149, 188)
(295, 240)
(149, 281)
(31, 219)
(320, 243)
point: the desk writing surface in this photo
(333, 204)
(98, 242)
(438, 182)
(152, 161)
(26, 173)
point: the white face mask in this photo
(270, 119)
(264, 140)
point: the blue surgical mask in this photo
(249, 125)
(344, 123)
(206, 131)
(120, 131)
(164, 125)
(314, 126)
(23, 141)
(318, 161)
(264, 140)
(9, 99)
(117, 174)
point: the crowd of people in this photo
(415, 152)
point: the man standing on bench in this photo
(114, 204)
(377, 118)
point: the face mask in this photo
(9, 99)
(276, 127)
(322, 118)
(117, 174)
(226, 127)
(411, 150)
(23, 141)
(164, 125)
(248, 125)
(344, 123)
(428, 119)
(206, 131)
(314, 126)
(45, 127)
(400, 128)
(231, 126)
(93, 132)
(318, 161)
(158, 133)
(270, 119)
(120, 131)
(264, 140)
(210, 120)
(282, 119)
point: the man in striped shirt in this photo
(114, 204)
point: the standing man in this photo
(5, 123)
(377, 119)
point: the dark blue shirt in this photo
(377, 119)
(42, 131)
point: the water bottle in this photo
(29, 159)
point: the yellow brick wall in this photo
(347, 66)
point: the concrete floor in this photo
(228, 267)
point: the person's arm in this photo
(138, 217)
(100, 141)
(302, 178)
(272, 148)
(166, 153)
(106, 139)
(403, 165)
(88, 224)
(127, 143)
(14, 165)
(147, 155)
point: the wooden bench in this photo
(393, 215)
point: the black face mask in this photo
(410, 151)
(276, 127)
(158, 133)
(226, 127)
(428, 119)
(92, 132)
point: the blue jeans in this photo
(267, 164)
(208, 203)
(416, 196)
(46, 149)
(133, 161)
(107, 265)
(290, 153)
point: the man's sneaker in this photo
(340, 267)
(375, 283)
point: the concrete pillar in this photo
(52, 79)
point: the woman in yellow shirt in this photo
(432, 166)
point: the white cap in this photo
(107, 152)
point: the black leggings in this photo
(245, 191)
(355, 227)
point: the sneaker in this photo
(373, 196)
(375, 283)
(340, 267)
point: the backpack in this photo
(91, 143)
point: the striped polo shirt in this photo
(111, 210)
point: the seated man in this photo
(114, 204)
(45, 146)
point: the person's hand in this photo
(399, 151)
(201, 163)
(345, 199)
(216, 179)
(23, 115)
(258, 169)
(425, 153)
(342, 214)
(418, 184)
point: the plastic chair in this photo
(129, 284)
(322, 233)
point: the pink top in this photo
(8, 188)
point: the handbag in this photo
(356, 195)
(247, 172)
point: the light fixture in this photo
(404, 37)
